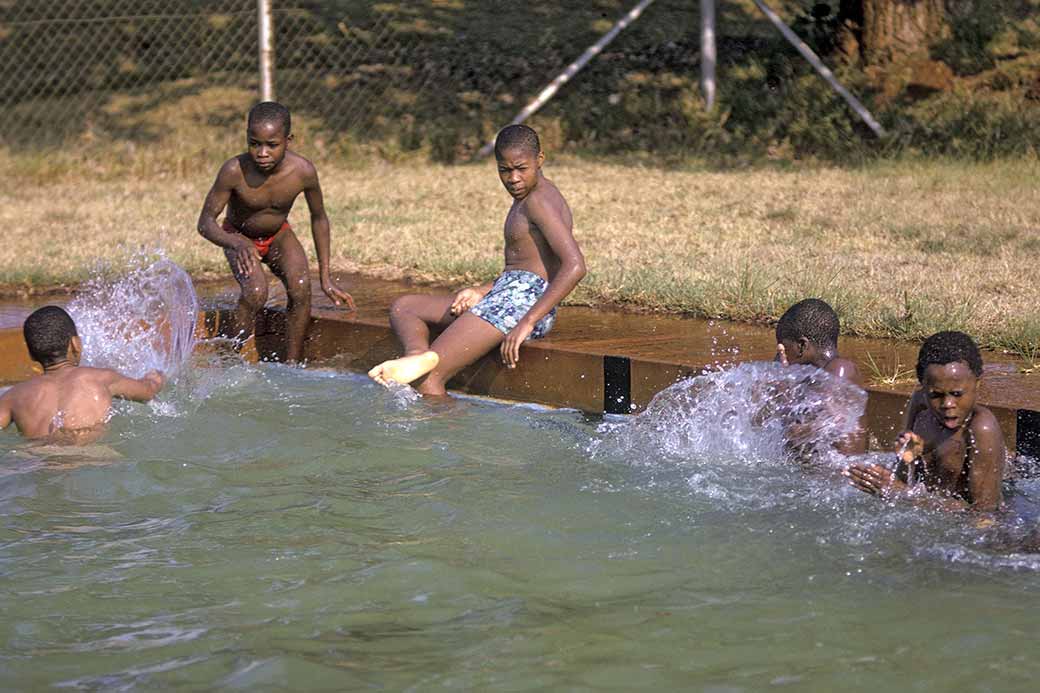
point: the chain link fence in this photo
(406, 74)
(75, 65)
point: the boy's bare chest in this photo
(271, 194)
(948, 459)
(519, 229)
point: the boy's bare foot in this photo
(406, 369)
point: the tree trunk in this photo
(896, 29)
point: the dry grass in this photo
(900, 249)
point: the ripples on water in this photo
(271, 527)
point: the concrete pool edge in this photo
(594, 380)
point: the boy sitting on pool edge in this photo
(68, 404)
(807, 334)
(543, 264)
(954, 447)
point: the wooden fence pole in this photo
(265, 22)
(708, 53)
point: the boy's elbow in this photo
(580, 270)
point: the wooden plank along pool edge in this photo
(595, 382)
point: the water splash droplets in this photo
(141, 322)
(754, 412)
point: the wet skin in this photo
(258, 188)
(538, 238)
(804, 352)
(956, 445)
(69, 404)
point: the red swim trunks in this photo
(263, 245)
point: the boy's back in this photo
(69, 403)
(72, 404)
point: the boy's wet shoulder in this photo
(984, 421)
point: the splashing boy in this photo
(807, 334)
(955, 447)
(543, 264)
(69, 403)
(259, 188)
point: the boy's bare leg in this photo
(288, 262)
(251, 300)
(411, 317)
(467, 339)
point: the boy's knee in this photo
(255, 294)
(400, 306)
(298, 289)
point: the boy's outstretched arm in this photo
(246, 256)
(136, 389)
(558, 235)
(320, 231)
(984, 481)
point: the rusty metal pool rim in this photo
(594, 378)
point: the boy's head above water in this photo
(949, 366)
(519, 155)
(808, 331)
(268, 133)
(51, 336)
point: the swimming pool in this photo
(270, 527)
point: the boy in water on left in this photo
(69, 404)
(259, 188)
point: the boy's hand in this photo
(337, 295)
(511, 346)
(464, 300)
(246, 257)
(910, 446)
(781, 355)
(874, 479)
(156, 378)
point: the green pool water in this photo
(270, 528)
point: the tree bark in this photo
(891, 30)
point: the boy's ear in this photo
(75, 349)
(803, 345)
(541, 157)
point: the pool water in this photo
(267, 527)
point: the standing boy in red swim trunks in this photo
(259, 188)
(542, 265)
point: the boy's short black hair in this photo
(48, 332)
(948, 347)
(521, 136)
(270, 112)
(812, 319)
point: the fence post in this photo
(265, 23)
(708, 53)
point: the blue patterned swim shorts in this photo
(510, 298)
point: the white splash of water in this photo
(140, 322)
(752, 412)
